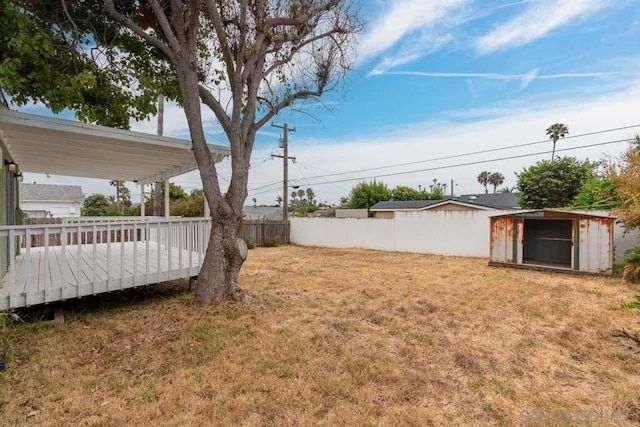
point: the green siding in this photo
(4, 204)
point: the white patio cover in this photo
(64, 147)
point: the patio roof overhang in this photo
(64, 147)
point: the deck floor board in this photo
(48, 274)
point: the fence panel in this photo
(257, 231)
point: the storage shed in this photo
(555, 240)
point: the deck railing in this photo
(78, 259)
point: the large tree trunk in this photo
(218, 279)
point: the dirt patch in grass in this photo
(346, 337)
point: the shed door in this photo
(548, 241)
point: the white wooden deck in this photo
(45, 274)
(59, 277)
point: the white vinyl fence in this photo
(456, 233)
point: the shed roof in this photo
(64, 147)
(50, 193)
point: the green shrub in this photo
(633, 304)
(631, 265)
(272, 241)
(251, 244)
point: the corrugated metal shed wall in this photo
(595, 248)
(593, 251)
(502, 239)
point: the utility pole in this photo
(452, 188)
(156, 195)
(285, 165)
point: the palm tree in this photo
(483, 178)
(279, 200)
(496, 179)
(118, 185)
(555, 132)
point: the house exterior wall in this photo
(382, 214)
(58, 209)
(352, 213)
(5, 176)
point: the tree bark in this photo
(218, 279)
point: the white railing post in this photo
(181, 245)
(169, 244)
(108, 257)
(79, 266)
(146, 251)
(122, 249)
(143, 212)
(158, 253)
(166, 198)
(63, 262)
(93, 261)
(190, 244)
(47, 281)
(27, 254)
(12, 265)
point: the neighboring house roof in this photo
(391, 205)
(494, 200)
(50, 193)
(497, 201)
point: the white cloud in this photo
(514, 124)
(413, 49)
(403, 18)
(525, 79)
(537, 21)
(510, 124)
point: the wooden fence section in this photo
(257, 231)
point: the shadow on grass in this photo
(116, 300)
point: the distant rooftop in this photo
(269, 213)
(49, 192)
(494, 200)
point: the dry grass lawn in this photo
(345, 337)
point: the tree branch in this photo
(222, 39)
(275, 109)
(210, 101)
(165, 25)
(153, 41)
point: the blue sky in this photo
(444, 77)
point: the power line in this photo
(477, 162)
(473, 153)
(491, 150)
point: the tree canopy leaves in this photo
(366, 194)
(552, 184)
(66, 55)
